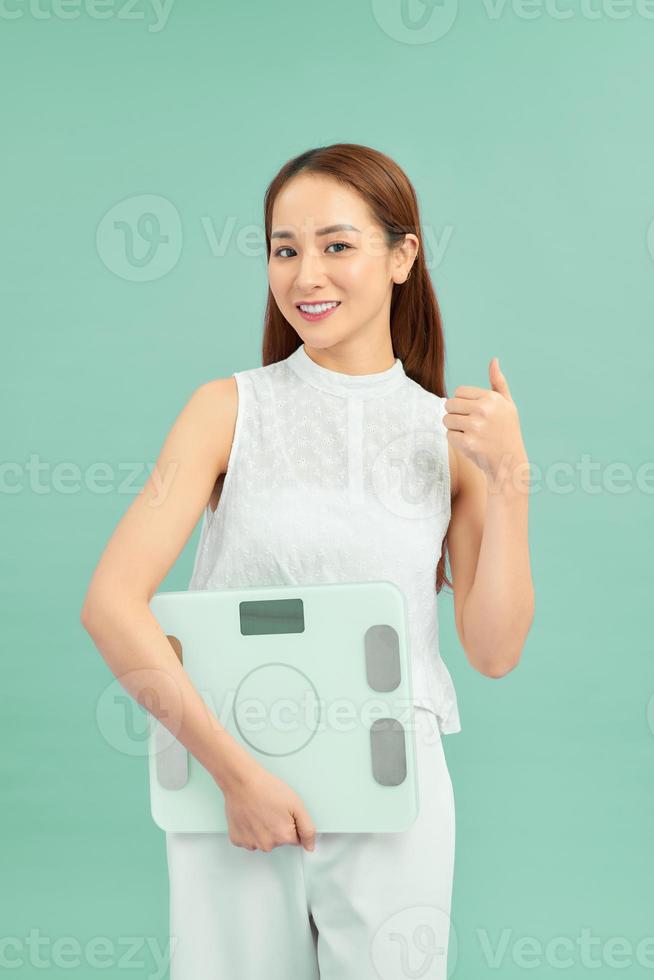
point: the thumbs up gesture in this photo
(484, 425)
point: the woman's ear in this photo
(405, 256)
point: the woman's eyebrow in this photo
(329, 230)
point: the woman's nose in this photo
(310, 272)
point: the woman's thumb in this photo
(305, 829)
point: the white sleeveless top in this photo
(336, 477)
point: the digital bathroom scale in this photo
(315, 682)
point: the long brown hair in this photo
(416, 328)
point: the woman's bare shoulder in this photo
(214, 405)
(219, 393)
(220, 388)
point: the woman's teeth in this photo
(317, 311)
(317, 307)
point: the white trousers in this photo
(360, 906)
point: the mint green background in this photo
(531, 140)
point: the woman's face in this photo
(350, 265)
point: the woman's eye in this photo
(287, 248)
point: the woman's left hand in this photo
(485, 426)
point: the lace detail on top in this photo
(335, 477)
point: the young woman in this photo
(338, 459)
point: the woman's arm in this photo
(144, 546)
(488, 534)
(491, 575)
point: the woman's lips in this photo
(317, 316)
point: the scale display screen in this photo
(263, 617)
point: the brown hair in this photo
(416, 328)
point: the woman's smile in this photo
(317, 311)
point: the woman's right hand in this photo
(263, 812)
